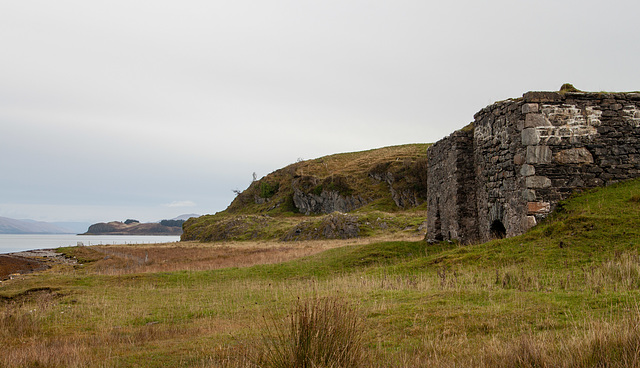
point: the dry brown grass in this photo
(354, 162)
(195, 256)
(414, 314)
(597, 343)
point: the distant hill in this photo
(134, 227)
(13, 226)
(185, 217)
(381, 191)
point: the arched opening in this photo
(497, 230)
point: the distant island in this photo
(135, 227)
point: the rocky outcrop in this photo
(406, 180)
(325, 202)
(334, 226)
(312, 196)
(387, 180)
(402, 197)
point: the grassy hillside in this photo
(349, 173)
(563, 295)
(389, 181)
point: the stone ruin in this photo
(508, 169)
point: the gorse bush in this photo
(320, 333)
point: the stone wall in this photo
(451, 210)
(524, 156)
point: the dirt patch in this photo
(31, 294)
(30, 261)
(10, 265)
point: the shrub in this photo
(267, 190)
(337, 183)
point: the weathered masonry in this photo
(507, 170)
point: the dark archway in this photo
(497, 230)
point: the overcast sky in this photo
(150, 109)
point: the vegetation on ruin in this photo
(568, 87)
(563, 295)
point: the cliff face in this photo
(133, 228)
(313, 196)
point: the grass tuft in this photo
(320, 333)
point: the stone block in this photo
(529, 195)
(574, 156)
(530, 137)
(538, 208)
(529, 107)
(527, 170)
(518, 159)
(538, 155)
(537, 182)
(529, 222)
(535, 120)
(542, 97)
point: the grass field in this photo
(563, 295)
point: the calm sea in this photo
(18, 242)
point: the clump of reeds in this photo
(319, 333)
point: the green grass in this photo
(564, 294)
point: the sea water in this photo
(19, 242)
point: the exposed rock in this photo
(310, 197)
(326, 202)
(407, 188)
(334, 226)
(404, 198)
